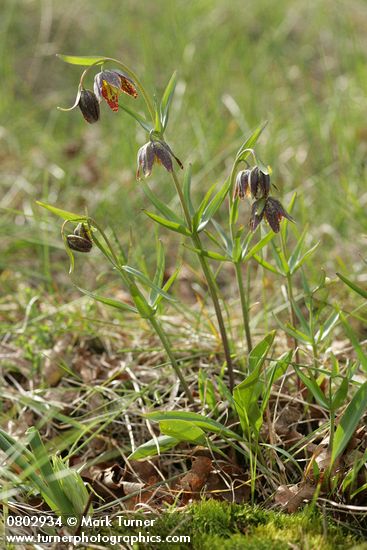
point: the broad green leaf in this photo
(207, 424)
(64, 214)
(259, 353)
(258, 246)
(349, 422)
(341, 394)
(361, 291)
(165, 443)
(166, 100)
(108, 301)
(187, 190)
(247, 393)
(43, 463)
(183, 431)
(173, 226)
(161, 206)
(144, 279)
(313, 387)
(82, 60)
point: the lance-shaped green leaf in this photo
(166, 287)
(226, 240)
(207, 424)
(312, 385)
(250, 142)
(280, 259)
(186, 187)
(304, 258)
(213, 206)
(183, 431)
(361, 291)
(208, 254)
(146, 281)
(327, 327)
(247, 393)
(340, 395)
(295, 333)
(107, 301)
(159, 273)
(168, 224)
(161, 206)
(349, 422)
(82, 60)
(150, 448)
(266, 265)
(64, 214)
(137, 116)
(166, 100)
(257, 247)
(199, 212)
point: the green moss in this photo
(212, 525)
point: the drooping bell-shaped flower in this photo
(155, 152)
(109, 85)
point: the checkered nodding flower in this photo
(259, 183)
(89, 106)
(270, 209)
(155, 152)
(109, 85)
(241, 186)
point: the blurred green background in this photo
(300, 65)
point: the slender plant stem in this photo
(290, 299)
(167, 346)
(211, 282)
(244, 305)
(293, 315)
(153, 321)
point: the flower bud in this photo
(81, 240)
(89, 106)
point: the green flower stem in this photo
(210, 281)
(167, 346)
(244, 305)
(152, 320)
(291, 300)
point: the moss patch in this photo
(213, 525)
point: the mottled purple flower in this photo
(270, 209)
(242, 187)
(155, 152)
(109, 85)
(259, 183)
